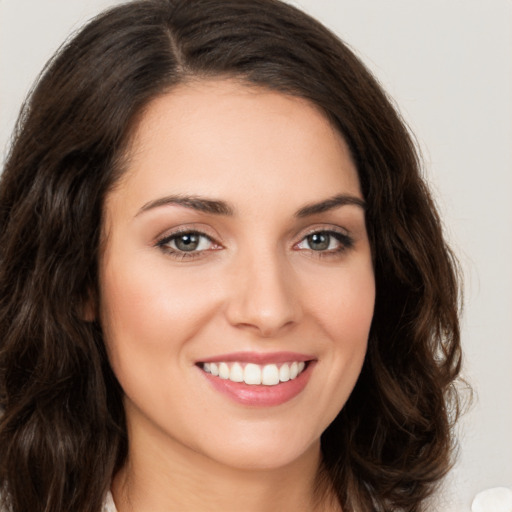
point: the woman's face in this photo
(237, 287)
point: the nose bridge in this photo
(263, 294)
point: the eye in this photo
(186, 243)
(326, 241)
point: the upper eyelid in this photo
(169, 234)
(167, 239)
(326, 228)
(163, 244)
(342, 237)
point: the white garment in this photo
(109, 505)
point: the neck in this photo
(169, 477)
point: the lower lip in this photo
(259, 395)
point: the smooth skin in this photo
(223, 236)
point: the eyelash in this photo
(345, 241)
(179, 254)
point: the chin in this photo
(264, 452)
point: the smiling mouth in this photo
(255, 374)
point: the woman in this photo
(223, 282)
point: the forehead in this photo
(236, 141)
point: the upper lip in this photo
(259, 357)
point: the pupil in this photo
(318, 241)
(187, 242)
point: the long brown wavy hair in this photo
(62, 430)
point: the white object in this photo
(497, 499)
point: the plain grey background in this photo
(448, 65)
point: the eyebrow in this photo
(219, 207)
(201, 204)
(330, 204)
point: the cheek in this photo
(345, 314)
(148, 311)
(343, 303)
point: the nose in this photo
(263, 298)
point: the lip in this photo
(260, 395)
(259, 357)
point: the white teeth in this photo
(294, 370)
(284, 373)
(237, 373)
(270, 375)
(254, 374)
(223, 371)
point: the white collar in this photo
(108, 504)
